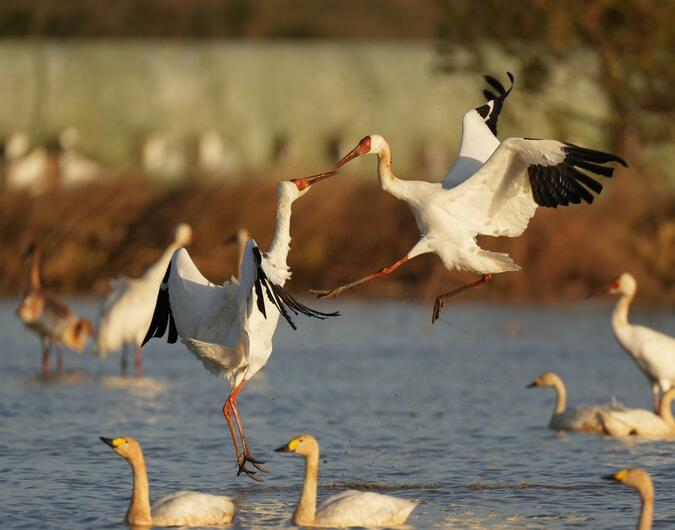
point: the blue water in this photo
(438, 413)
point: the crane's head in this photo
(304, 444)
(296, 188)
(624, 285)
(373, 143)
(125, 446)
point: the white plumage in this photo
(652, 351)
(501, 194)
(126, 314)
(229, 327)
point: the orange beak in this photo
(306, 182)
(361, 149)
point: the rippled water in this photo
(439, 413)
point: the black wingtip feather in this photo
(162, 317)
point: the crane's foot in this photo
(438, 305)
(325, 293)
(440, 299)
(243, 460)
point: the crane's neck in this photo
(389, 182)
(560, 396)
(139, 507)
(647, 510)
(306, 510)
(281, 242)
(156, 271)
(620, 316)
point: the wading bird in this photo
(579, 419)
(498, 199)
(183, 508)
(346, 509)
(652, 351)
(641, 422)
(51, 319)
(126, 314)
(229, 328)
(638, 479)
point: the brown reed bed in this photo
(341, 229)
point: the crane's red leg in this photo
(227, 412)
(123, 360)
(323, 293)
(246, 453)
(440, 299)
(138, 361)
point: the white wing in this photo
(359, 508)
(502, 196)
(190, 508)
(479, 134)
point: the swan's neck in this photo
(281, 243)
(665, 410)
(156, 272)
(139, 507)
(647, 511)
(306, 510)
(389, 182)
(560, 397)
(620, 314)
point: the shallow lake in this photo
(439, 413)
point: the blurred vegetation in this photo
(631, 41)
(341, 230)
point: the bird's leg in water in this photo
(656, 400)
(45, 358)
(323, 293)
(138, 360)
(246, 456)
(440, 299)
(227, 411)
(123, 362)
(59, 359)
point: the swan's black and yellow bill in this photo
(283, 449)
(113, 442)
(289, 447)
(533, 384)
(619, 476)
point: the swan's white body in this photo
(126, 314)
(363, 508)
(640, 422)
(652, 351)
(229, 327)
(190, 508)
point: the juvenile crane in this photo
(229, 328)
(499, 198)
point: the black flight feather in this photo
(490, 112)
(162, 317)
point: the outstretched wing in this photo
(479, 129)
(253, 273)
(523, 173)
(162, 317)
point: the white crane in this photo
(498, 199)
(126, 314)
(229, 328)
(652, 351)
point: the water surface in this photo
(438, 413)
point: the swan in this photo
(580, 419)
(183, 508)
(638, 479)
(126, 314)
(652, 351)
(641, 422)
(51, 319)
(349, 508)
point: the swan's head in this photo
(546, 379)
(296, 188)
(373, 143)
(636, 478)
(125, 446)
(624, 284)
(305, 444)
(183, 235)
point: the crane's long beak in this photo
(308, 181)
(354, 153)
